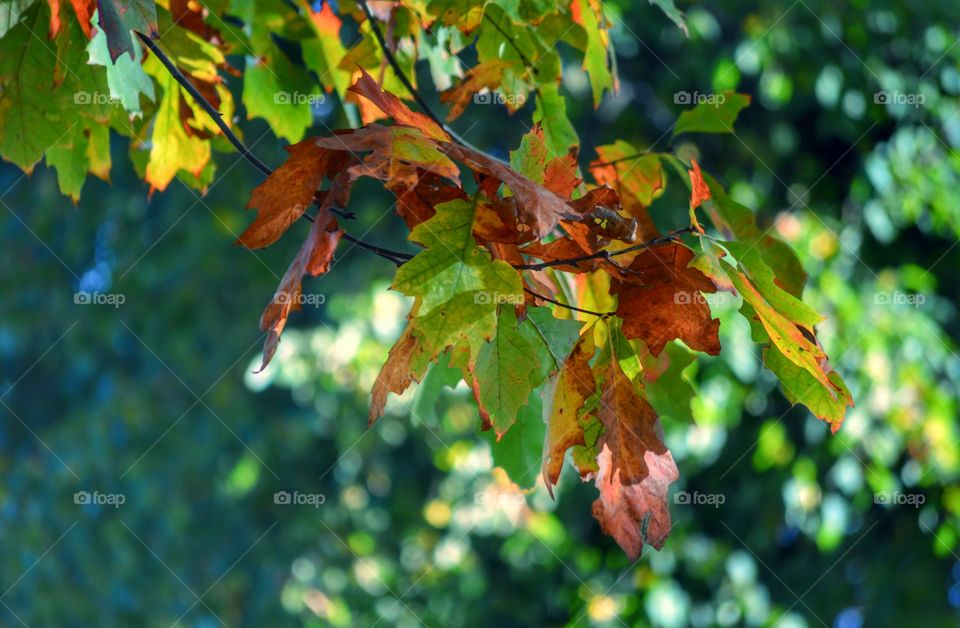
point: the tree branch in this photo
(569, 307)
(215, 115)
(618, 160)
(396, 257)
(570, 261)
(392, 60)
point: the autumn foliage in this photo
(535, 279)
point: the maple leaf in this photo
(287, 193)
(661, 300)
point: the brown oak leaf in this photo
(662, 300)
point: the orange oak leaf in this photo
(635, 514)
(396, 154)
(661, 300)
(629, 425)
(415, 204)
(395, 108)
(82, 8)
(699, 190)
(636, 176)
(313, 258)
(574, 384)
(286, 194)
(395, 375)
(484, 75)
(562, 175)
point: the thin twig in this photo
(392, 60)
(215, 115)
(569, 307)
(527, 63)
(396, 257)
(571, 261)
(613, 162)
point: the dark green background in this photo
(96, 398)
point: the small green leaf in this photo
(119, 17)
(716, 115)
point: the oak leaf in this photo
(663, 301)
(287, 193)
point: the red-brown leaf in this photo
(635, 514)
(699, 190)
(394, 107)
(664, 301)
(313, 258)
(289, 191)
(630, 425)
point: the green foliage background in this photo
(415, 527)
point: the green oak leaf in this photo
(125, 76)
(172, 148)
(551, 112)
(595, 56)
(673, 389)
(453, 264)
(672, 12)
(119, 17)
(716, 115)
(519, 451)
(518, 359)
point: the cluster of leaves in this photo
(517, 331)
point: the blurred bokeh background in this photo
(848, 151)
